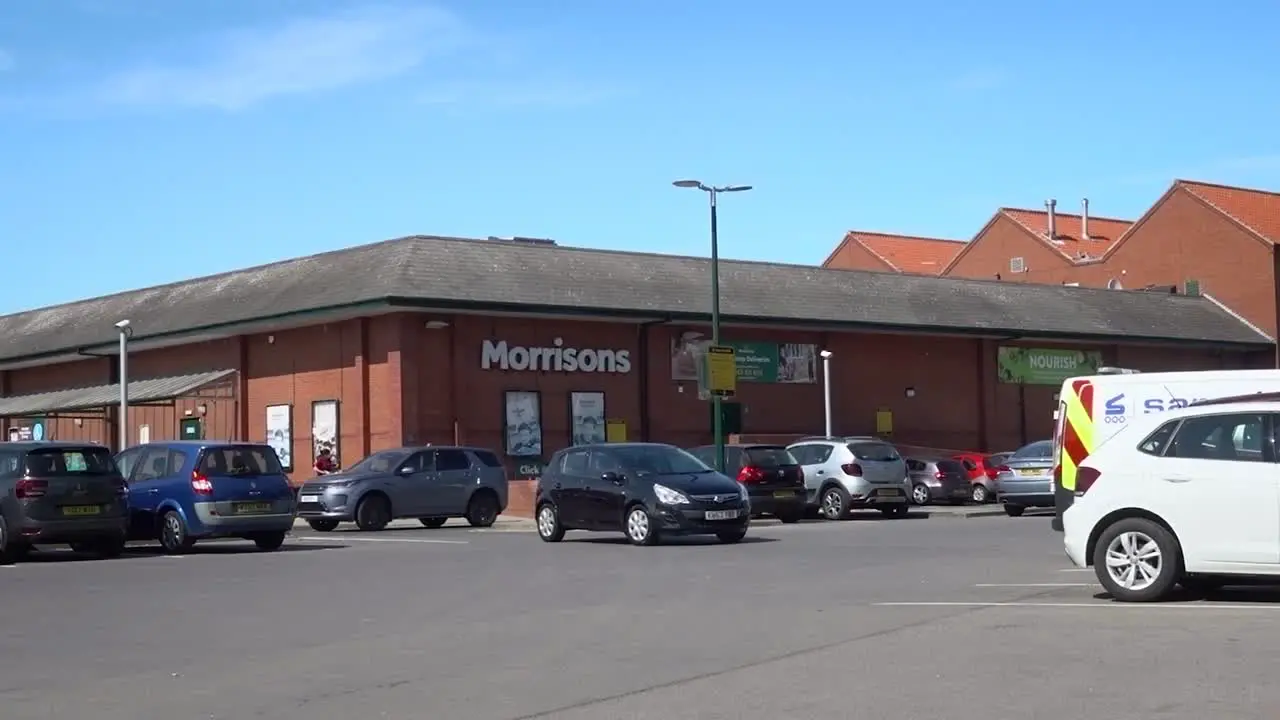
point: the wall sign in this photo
(1044, 366)
(556, 358)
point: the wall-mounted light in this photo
(437, 324)
(910, 392)
(271, 339)
(187, 413)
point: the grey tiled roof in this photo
(97, 396)
(494, 273)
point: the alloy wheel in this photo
(638, 526)
(979, 493)
(832, 505)
(920, 494)
(1134, 560)
(546, 521)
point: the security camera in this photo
(825, 354)
(122, 324)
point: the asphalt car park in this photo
(978, 618)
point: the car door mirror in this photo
(405, 470)
(613, 477)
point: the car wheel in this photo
(433, 523)
(269, 541)
(730, 537)
(835, 503)
(1137, 560)
(791, 517)
(897, 511)
(482, 511)
(920, 494)
(1014, 510)
(373, 513)
(323, 525)
(173, 533)
(549, 527)
(9, 550)
(980, 494)
(640, 531)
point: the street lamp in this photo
(717, 422)
(826, 388)
(125, 333)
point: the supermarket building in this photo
(526, 346)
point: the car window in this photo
(575, 463)
(417, 462)
(600, 462)
(152, 463)
(452, 460)
(811, 454)
(706, 454)
(874, 451)
(659, 460)
(63, 461)
(1156, 442)
(769, 456)
(127, 459)
(915, 465)
(950, 466)
(1235, 437)
(488, 458)
(10, 464)
(969, 464)
(239, 460)
(1041, 449)
(379, 462)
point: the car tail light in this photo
(1004, 469)
(1085, 478)
(852, 469)
(30, 489)
(939, 474)
(200, 484)
(750, 474)
(799, 476)
(991, 473)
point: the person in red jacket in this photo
(325, 464)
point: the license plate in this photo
(785, 494)
(310, 498)
(249, 508)
(80, 510)
(722, 514)
(888, 493)
(1030, 472)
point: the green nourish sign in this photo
(1043, 366)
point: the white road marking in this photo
(1034, 585)
(423, 541)
(1146, 606)
(1075, 569)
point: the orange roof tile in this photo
(1258, 210)
(1103, 231)
(908, 253)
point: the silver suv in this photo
(432, 484)
(841, 474)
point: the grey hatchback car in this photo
(431, 483)
(843, 474)
(1026, 479)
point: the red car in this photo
(982, 473)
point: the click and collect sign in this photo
(1044, 366)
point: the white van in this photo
(1092, 409)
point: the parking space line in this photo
(1034, 585)
(1137, 606)
(1075, 569)
(424, 541)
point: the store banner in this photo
(1044, 366)
(758, 362)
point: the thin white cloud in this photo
(7, 62)
(301, 56)
(516, 93)
(979, 80)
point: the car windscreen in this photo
(1041, 450)
(769, 457)
(659, 460)
(70, 462)
(240, 460)
(379, 462)
(874, 451)
(950, 466)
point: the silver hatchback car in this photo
(432, 484)
(843, 474)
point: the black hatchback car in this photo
(645, 490)
(54, 493)
(772, 476)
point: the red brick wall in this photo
(989, 253)
(853, 256)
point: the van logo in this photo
(1115, 406)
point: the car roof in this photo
(743, 446)
(37, 444)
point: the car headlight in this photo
(667, 496)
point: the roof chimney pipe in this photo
(1050, 205)
(1084, 219)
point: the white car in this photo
(1189, 497)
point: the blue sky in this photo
(147, 141)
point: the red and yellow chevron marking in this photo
(1077, 431)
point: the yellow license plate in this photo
(1030, 472)
(81, 510)
(250, 508)
(785, 494)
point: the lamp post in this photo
(712, 191)
(826, 390)
(125, 332)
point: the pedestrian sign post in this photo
(720, 377)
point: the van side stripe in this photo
(1077, 432)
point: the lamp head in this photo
(122, 324)
(826, 354)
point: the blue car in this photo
(184, 491)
